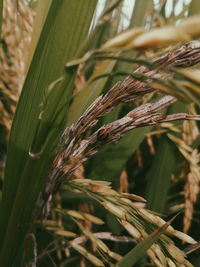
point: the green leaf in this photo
(66, 26)
(159, 176)
(41, 13)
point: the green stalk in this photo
(139, 12)
(194, 8)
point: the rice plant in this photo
(99, 160)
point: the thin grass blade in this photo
(139, 251)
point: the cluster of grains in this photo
(15, 39)
(138, 222)
(191, 169)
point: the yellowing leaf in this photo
(139, 38)
(123, 39)
(192, 74)
(167, 35)
(159, 38)
(168, 90)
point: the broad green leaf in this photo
(41, 13)
(66, 26)
(159, 176)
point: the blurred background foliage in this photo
(47, 41)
